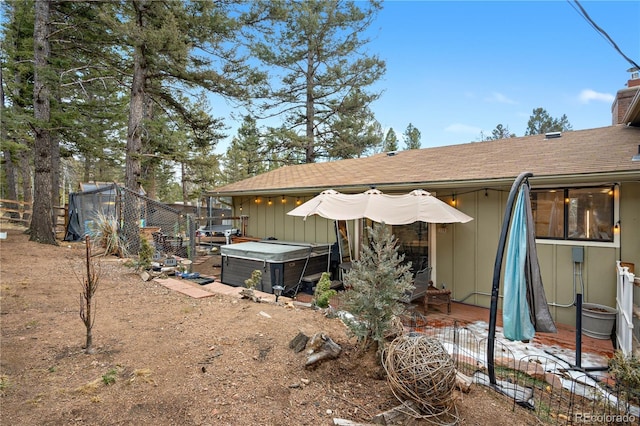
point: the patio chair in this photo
(421, 284)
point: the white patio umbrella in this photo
(332, 204)
(418, 205)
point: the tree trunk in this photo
(88, 346)
(185, 196)
(42, 228)
(86, 170)
(151, 187)
(134, 137)
(150, 164)
(310, 112)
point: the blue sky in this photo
(456, 69)
(459, 68)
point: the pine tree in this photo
(315, 50)
(390, 141)
(17, 103)
(540, 122)
(42, 228)
(411, 137)
(244, 157)
(175, 47)
(355, 130)
(376, 283)
(500, 132)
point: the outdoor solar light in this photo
(277, 290)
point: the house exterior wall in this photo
(272, 221)
(465, 253)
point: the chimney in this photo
(635, 77)
(625, 97)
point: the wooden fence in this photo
(17, 211)
(21, 211)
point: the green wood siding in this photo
(465, 254)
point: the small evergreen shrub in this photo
(145, 255)
(323, 291)
(375, 284)
(256, 278)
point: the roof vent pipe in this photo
(637, 156)
(552, 135)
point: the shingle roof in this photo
(601, 151)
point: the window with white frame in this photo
(581, 214)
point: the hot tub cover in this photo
(274, 251)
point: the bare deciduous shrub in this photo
(87, 302)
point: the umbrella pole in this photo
(496, 275)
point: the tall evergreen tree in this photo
(356, 132)
(411, 137)
(90, 113)
(500, 132)
(160, 51)
(390, 141)
(176, 46)
(17, 68)
(245, 156)
(42, 222)
(316, 50)
(541, 122)
(77, 90)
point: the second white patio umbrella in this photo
(418, 205)
(332, 204)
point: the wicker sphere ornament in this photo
(420, 370)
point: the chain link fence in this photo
(545, 383)
(169, 231)
(132, 217)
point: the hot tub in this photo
(281, 263)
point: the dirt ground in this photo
(163, 358)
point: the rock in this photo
(299, 342)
